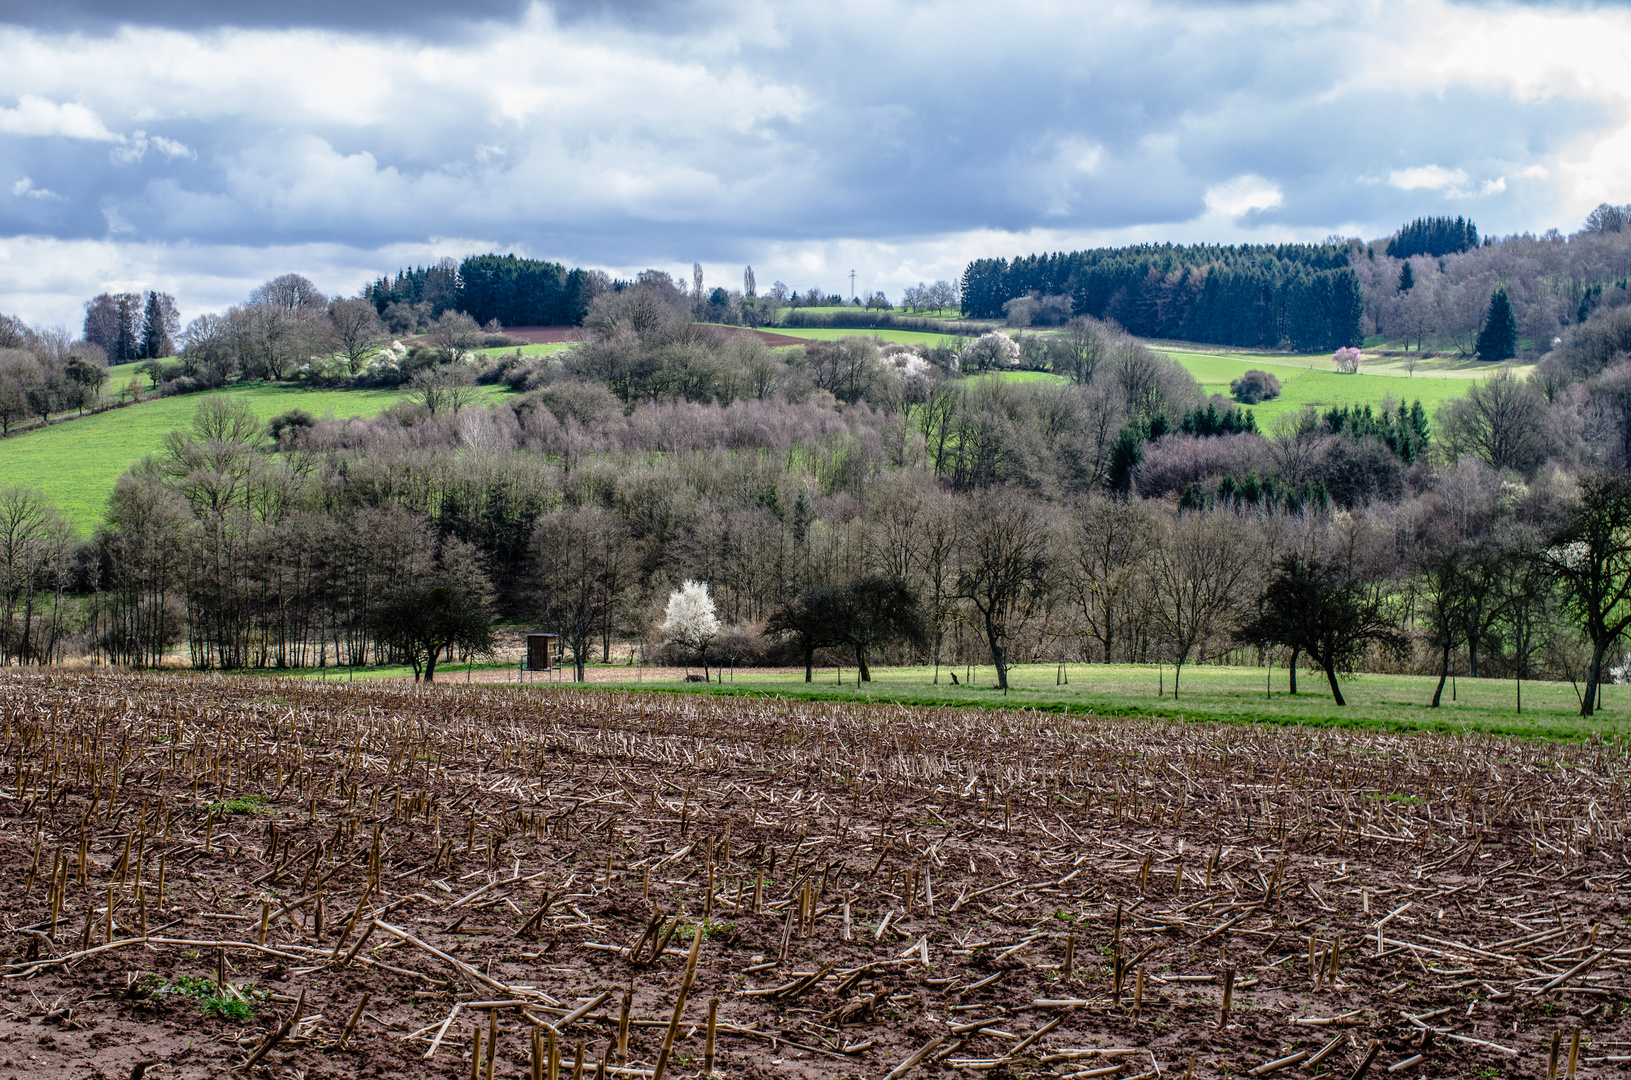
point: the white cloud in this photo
(1242, 195)
(733, 132)
(134, 149)
(39, 116)
(1431, 177)
(25, 188)
(1451, 183)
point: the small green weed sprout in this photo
(243, 804)
(229, 1002)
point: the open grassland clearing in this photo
(407, 882)
(78, 461)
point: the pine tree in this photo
(1498, 340)
(1407, 277)
(155, 336)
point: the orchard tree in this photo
(874, 611)
(451, 611)
(1004, 569)
(691, 621)
(811, 619)
(1590, 556)
(1328, 609)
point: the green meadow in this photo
(903, 337)
(1206, 692)
(544, 349)
(1308, 380)
(76, 462)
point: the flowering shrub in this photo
(1347, 360)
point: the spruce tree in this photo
(1407, 277)
(155, 336)
(1498, 340)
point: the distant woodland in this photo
(884, 501)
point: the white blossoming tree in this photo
(989, 351)
(691, 622)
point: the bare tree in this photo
(290, 293)
(34, 541)
(573, 551)
(1590, 554)
(1197, 571)
(1004, 569)
(1499, 422)
(357, 330)
(445, 390)
(1102, 550)
(455, 334)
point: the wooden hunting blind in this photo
(543, 654)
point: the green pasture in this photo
(1311, 381)
(545, 349)
(903, 337)
(1207, 692)
(76, 462)
(1024, 377)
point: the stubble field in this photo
(306, 880)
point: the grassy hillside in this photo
(76, 462)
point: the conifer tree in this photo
(155, 335)
(1498, 340)
(1407, 277)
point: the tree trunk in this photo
(1291, 670)
(861, 665)
(1594, 675)
(1177, 670)
(430, 664)
(1443, 674)
(809, 663)
(1331, 677)
(705, 663)
(577, 662)
(998, 659)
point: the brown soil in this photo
(969, 853)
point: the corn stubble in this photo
(494, 881)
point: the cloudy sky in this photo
(184, 146)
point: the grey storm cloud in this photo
(655, 132)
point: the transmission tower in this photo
(852, 284)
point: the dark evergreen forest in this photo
(1304, 295)
(514, 291)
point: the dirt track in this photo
(923, 880)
